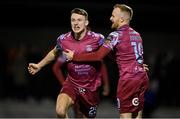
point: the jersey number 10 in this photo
(138, 50)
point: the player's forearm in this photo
(94, 56)
(47, 59)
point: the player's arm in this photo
(105, 80)
(93, 56)
(48, 58)
(34, 68)
(58, 72)
(98, 55)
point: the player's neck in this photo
(80, 36)
(122, 24)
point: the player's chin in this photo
(77, 31)
(113, 26)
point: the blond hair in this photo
(125, 8)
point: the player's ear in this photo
(86, 22)
(122, 19)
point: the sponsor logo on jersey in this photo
(88, 48)
(82, 90)
(135, 101)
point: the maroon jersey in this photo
(127, 44)
(133, 80)
(82, 74)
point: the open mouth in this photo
(76, 28)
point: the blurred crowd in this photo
(16, 82)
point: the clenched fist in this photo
(33, 68)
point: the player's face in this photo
(78, 23)
(115, 18)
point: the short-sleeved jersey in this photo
(82, 74)
(127, 44)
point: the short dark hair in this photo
(125, 8)
(80, 11)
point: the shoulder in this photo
(64, 36)
(95, 35)
(133, 32)
(114, 35)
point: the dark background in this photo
(29, 29)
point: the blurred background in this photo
(29, 29)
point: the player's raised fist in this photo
(33, 68)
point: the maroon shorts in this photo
(86, 99)
(130, 93)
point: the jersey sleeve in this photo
(59, 48)
(112, 40)
(58, 44)
(93, 56)
(101, 40)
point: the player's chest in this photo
(81, 46)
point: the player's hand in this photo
(145, 67)
(69, 54)
(106, 90)
(33, 68)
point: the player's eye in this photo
(79, 19)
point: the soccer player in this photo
(128, 48)
(61, 74)
(84, 78)
(57, 66)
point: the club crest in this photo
(88, 48)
